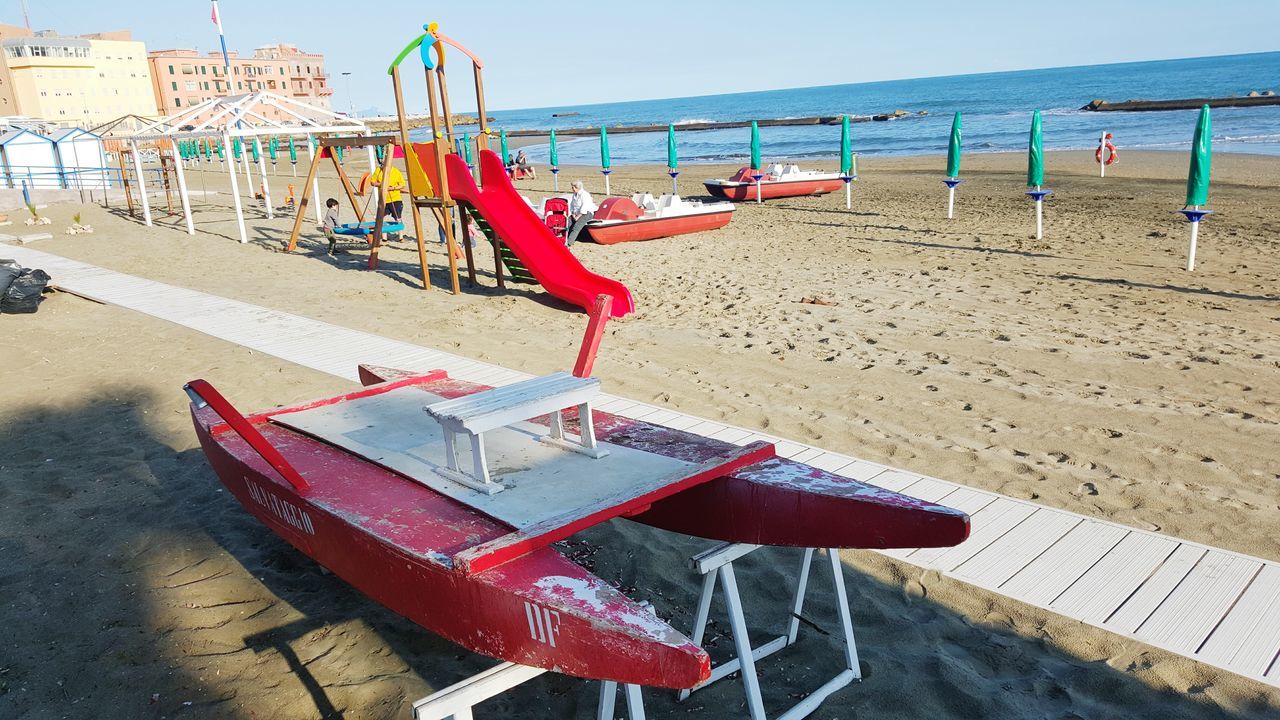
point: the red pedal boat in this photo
(641, 217)
(345, 481)
(777, 182)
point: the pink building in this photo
(183, 78)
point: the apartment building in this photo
(183, 78)
(80, 80)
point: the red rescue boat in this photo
(777, 182)
(641, 217)
(330, 478)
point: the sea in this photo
(996, 110)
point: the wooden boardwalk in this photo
(1215, 606)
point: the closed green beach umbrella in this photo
(222, 153)
(1201, 149)
(208, 151)
(253, 149)
(1035, 154)
(846, 147)
(505, 153)
(605, 162)
(755, 145)
(293, 151)
(466, 148)
(953, 149)
(673, 161)
(235, 147)
(273, 147)
(555, 151)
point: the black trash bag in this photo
(9, 270)
(25, 292)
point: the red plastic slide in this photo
(517, 225)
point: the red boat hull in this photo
(769, 190)
(653, 228)
(391, 539)
(775, 502)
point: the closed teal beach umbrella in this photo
(208, 151)
(1035, 154)
(466, 147)
(846, 147)
(1201, 150)
(555, 152)
(293, 151)
(235, 147)
(273, 147)
(673, 162)
(755, 145)
(253, 148)
(222, 154)
(505, 153)
(605, 162)
(953, 149)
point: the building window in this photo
(175, 85)
(239, 85)
(177, 102)
(204, 70)
(171, 70)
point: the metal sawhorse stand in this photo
(455, 702)
(718, 563)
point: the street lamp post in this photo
(351, 100)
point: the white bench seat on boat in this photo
(481, 412)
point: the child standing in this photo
(331, 224)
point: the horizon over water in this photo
(996, 109)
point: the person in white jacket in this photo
(581, 209)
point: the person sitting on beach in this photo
(393, 206)
(330, 225)
(581, 209)
(511, 167)
(523, 166)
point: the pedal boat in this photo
(641, 217)
(777, 182)
(467, 576)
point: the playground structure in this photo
(440, 180)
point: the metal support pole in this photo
(182, 192)
(315, 183)
(235, 192)
(262, 170)
(142, 184)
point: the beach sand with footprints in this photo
(1086, 371)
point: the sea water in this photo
(996, 108)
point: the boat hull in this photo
(738, 192)
(774, 502)
(613, 232)
(392, 538)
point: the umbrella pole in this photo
(606, 181)
(848, 196)
(951, 202)
(1191, 252)
(1039, 215)
(1102, 155)
(555, 177)
(675, 190)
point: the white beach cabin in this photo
(30, 157)
(81, 160)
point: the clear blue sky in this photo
(575, 52)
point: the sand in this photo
(1087, 371)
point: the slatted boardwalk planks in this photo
(1219, 607)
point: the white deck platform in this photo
(1215, 606)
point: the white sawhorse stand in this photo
(718, 563)
(456, 701)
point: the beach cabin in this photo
(81, 159)
(30, 157)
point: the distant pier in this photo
(778, 122)
(1186, 104)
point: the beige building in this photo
(73, 81)
(183, 78)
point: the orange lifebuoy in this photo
(1115, 154)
